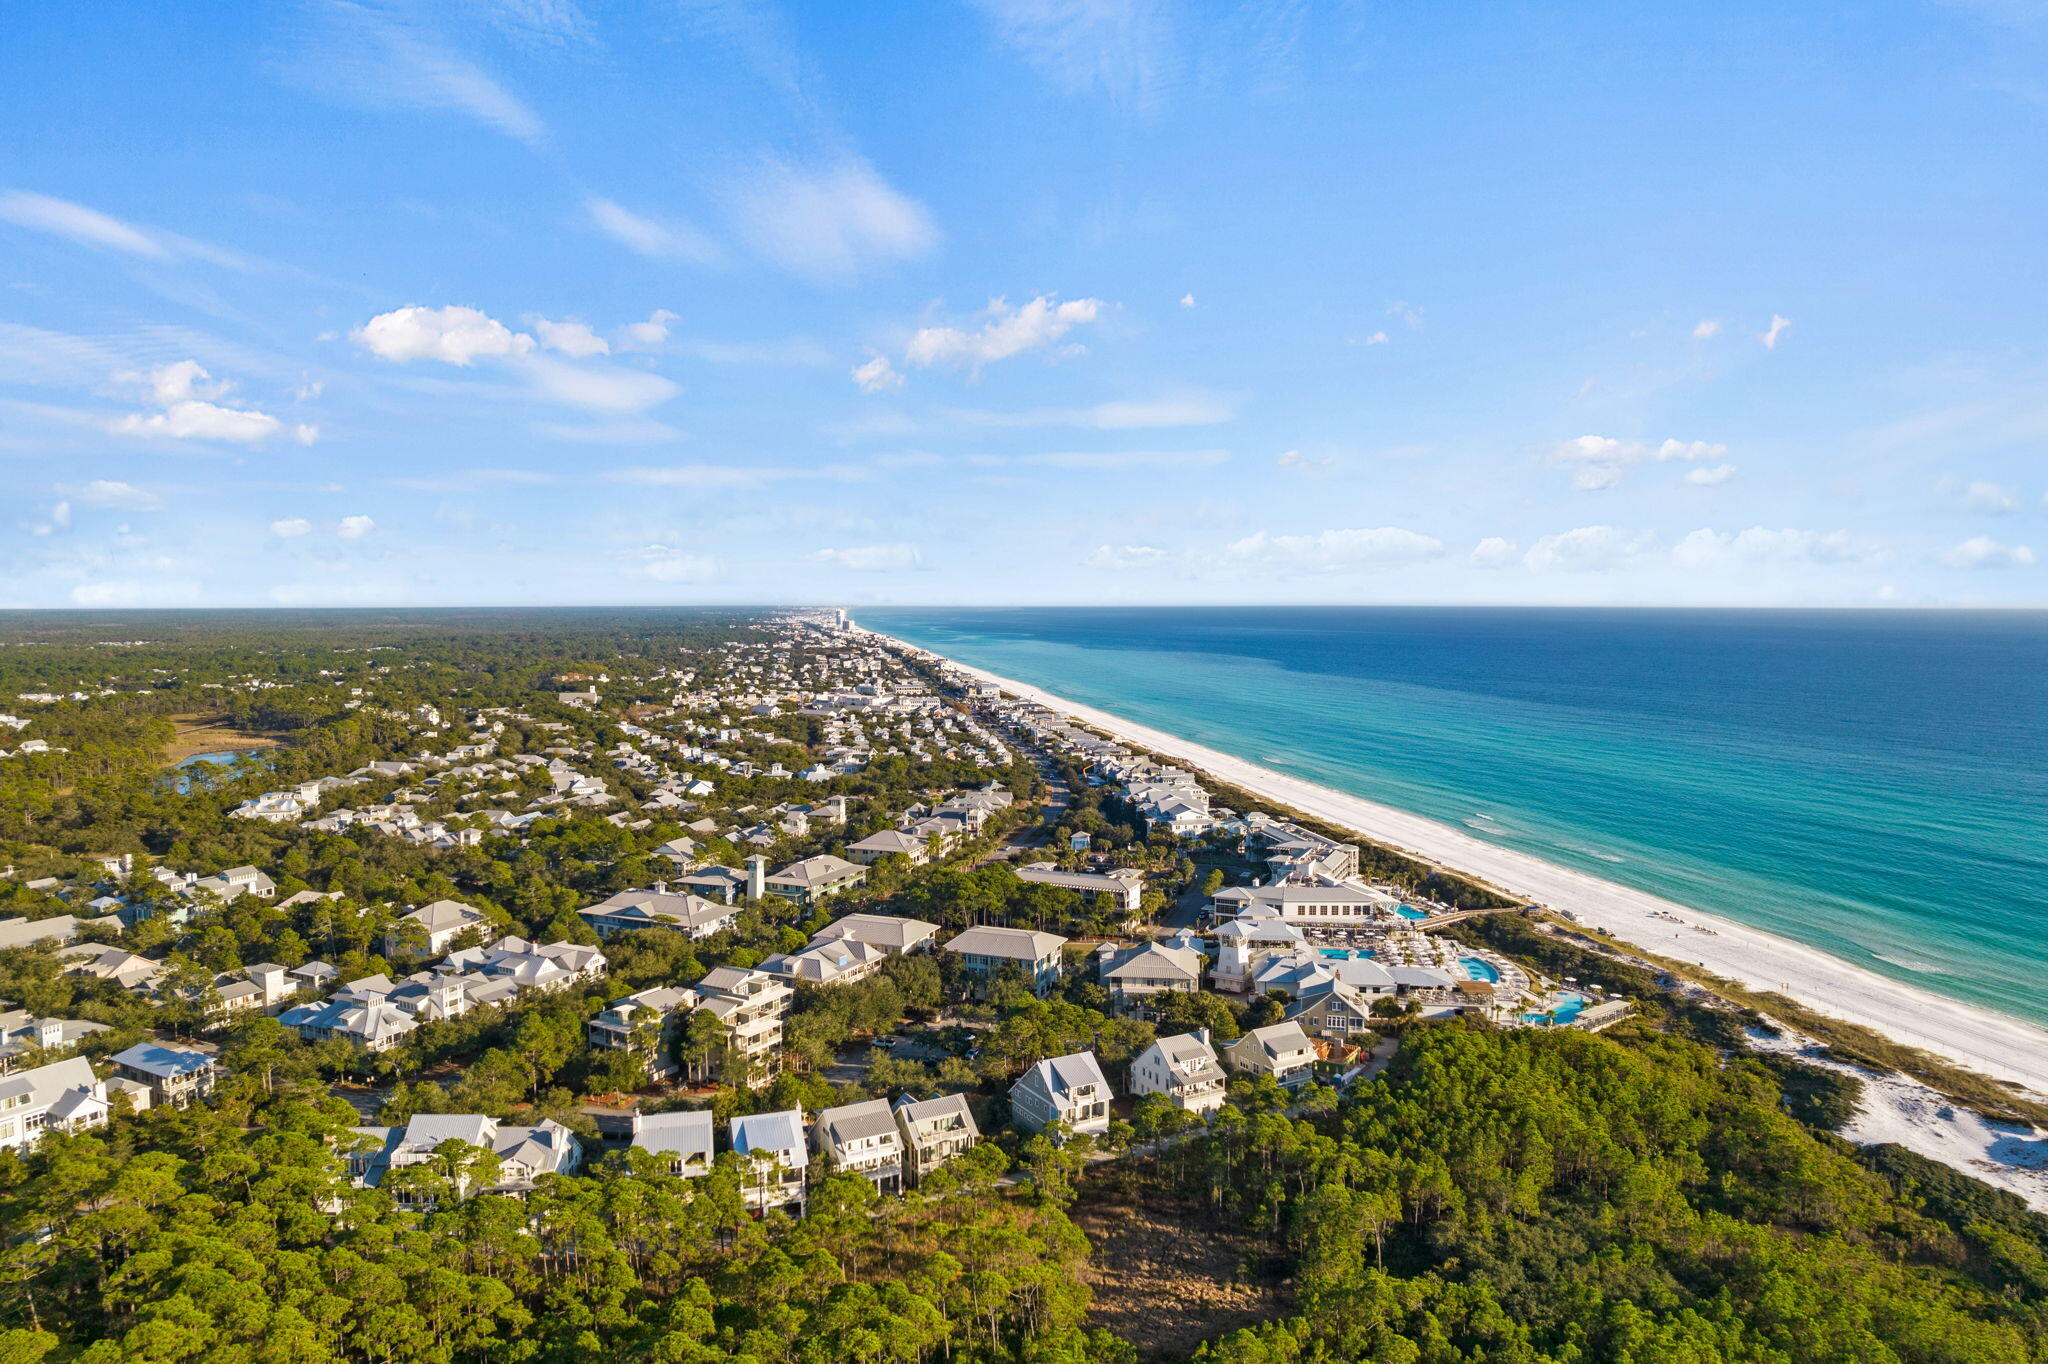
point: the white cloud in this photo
(871, 558)
(1187, 300)
(175, 383)
(202, 421)
(1407, 312)
(77, 223)
(606, 388)
(1334, 550)
(135, 592)
(1762, 545)
(1377, 339)
(1103, 460)
(649, 334)
(1294, 459)
(1710, 476)
(60, 514)
(113, 495)
(1777, 329)
(1495, 552)
(830, 223)
(648, 237)
(379, 60)
(1981, 551)
(1131, 414)
(1708, 327)
(355, 527)
(1118, 557)
(1008, 331)
(1588, 549)
(454, 335)
(291, 526)
(101, 231)
(877, 375)
(573, 339)
(666, 564)
(1981, 496)
(1599, 461)
(1119, 48)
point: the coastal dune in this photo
(2005, 1049)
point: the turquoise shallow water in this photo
(1874, 784)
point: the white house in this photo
(681, 1138)
(1071, 1090)
(64, 1096)
(442, 922)
(778, 1158)
(862, 1139)
(934, 1131)
(1184, 1069)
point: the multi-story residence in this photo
(889, 843)
(1070, 1090)
(253, 989)
(1132, 975)
(898, 936)
(175, 1075)
(527, 965)
(524, 1153)
(24, 1037)
(64, 1096)
(1244, 943)
(691, 915)
(1333, 1009)
(440, 924)
(646, 1025)
(777, 1158)
(236, 882)
(751, 1005)
(1184, 1069)
(838, 961)
(682, 1138)
(934, 1131)
(815, 878)
(1280, 1050)
(984, 951)
(862, 1139)
(1122, 888)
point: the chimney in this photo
(757, 876)
(661, 887)
(1202, 1036)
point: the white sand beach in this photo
(2003, 1048)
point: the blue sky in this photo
(540, 301)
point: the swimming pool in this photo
(1569, 1007)
(1407, 913)
(1344, 954)
(1480, 969)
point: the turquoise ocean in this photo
(1871, 783)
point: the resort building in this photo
(751, 1005)
(1122, 890)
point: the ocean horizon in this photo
(1873, 784)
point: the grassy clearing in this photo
(198, 734)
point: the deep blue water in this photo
(1874, 784)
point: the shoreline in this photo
(2003, 1048)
